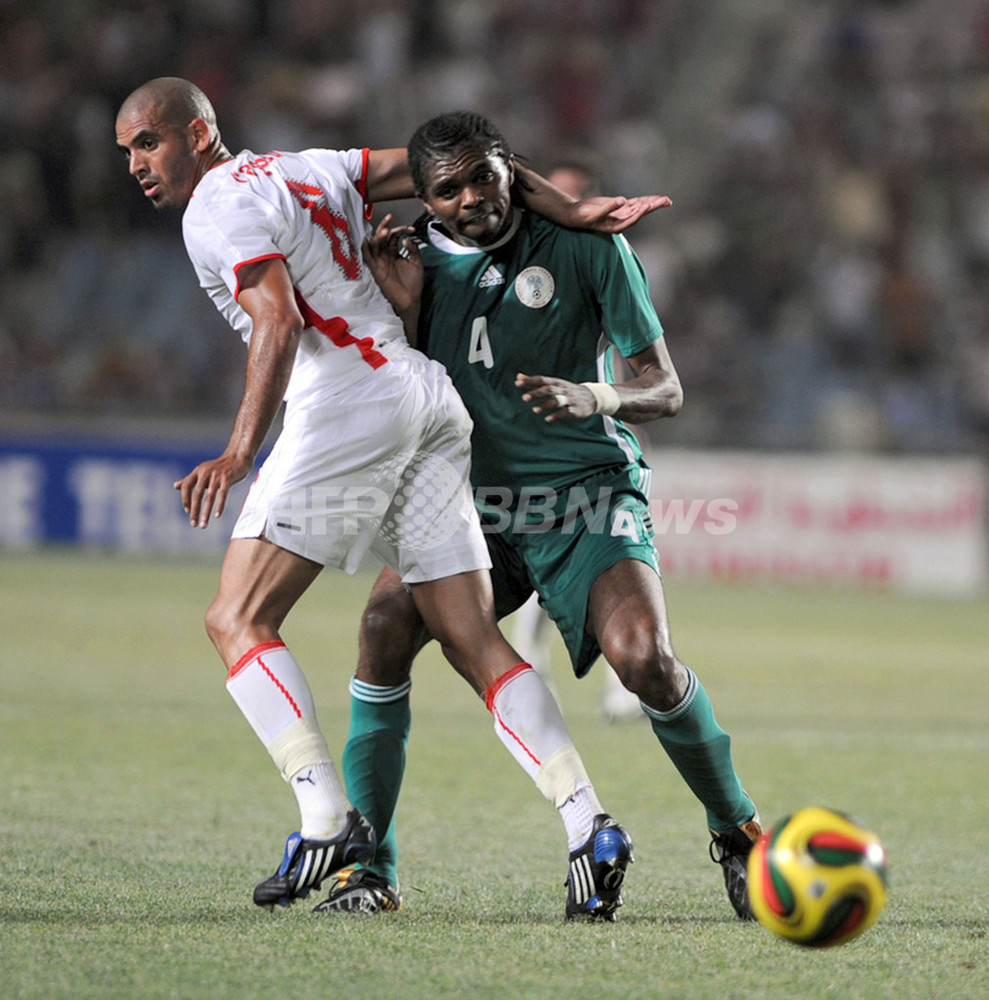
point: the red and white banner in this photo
(912, 524)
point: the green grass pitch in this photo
(138, 810)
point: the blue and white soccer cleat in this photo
(307, 862)
(597, 871)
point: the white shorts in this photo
(382, 468)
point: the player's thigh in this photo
(627, 613)
(459, 612)
(626, 600)
(566, 562)
(430, 529)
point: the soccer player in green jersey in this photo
(559, 480)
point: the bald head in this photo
(176, 101)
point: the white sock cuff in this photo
(678, 710)
(376, 694)
(561, 774)
(300, 745)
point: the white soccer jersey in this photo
(297, 206)
(374, 451)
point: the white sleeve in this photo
(234, 227)
(351, 162)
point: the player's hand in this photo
(395, 264)
(556, 398)
(615, 215)
(205, 489)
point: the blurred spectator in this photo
(823, 274)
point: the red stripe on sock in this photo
(489, 699)
(514, 736)
(492, 692)
(250, 654)
(281, 687)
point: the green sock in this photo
(701, 751)
(374, 763)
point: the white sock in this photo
(578, 814)
(527, 718)
(323, 803)
(270, 689)
(529, 723)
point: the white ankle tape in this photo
(299, 745)
(560, 774)
(606, 401)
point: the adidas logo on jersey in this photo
(492, 276)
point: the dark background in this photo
(821, 276)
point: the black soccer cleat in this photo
(731, 850)
(597, 871)
(307, 862)
(360, 890)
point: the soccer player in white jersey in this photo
(369, 423)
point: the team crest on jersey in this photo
(492, 276)
(534, 287)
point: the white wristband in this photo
(606, 401)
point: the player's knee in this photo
(220, 624)
(646, 666)
(391, 635)
(230, 625)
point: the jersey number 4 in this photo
(479, 348)
(335, 226)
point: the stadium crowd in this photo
(823, 272)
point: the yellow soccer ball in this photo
(817, 878)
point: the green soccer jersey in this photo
(543, 300)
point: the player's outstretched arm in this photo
(388, 176)
(602, 213)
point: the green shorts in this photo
(560, 546)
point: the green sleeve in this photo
(619, 281)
